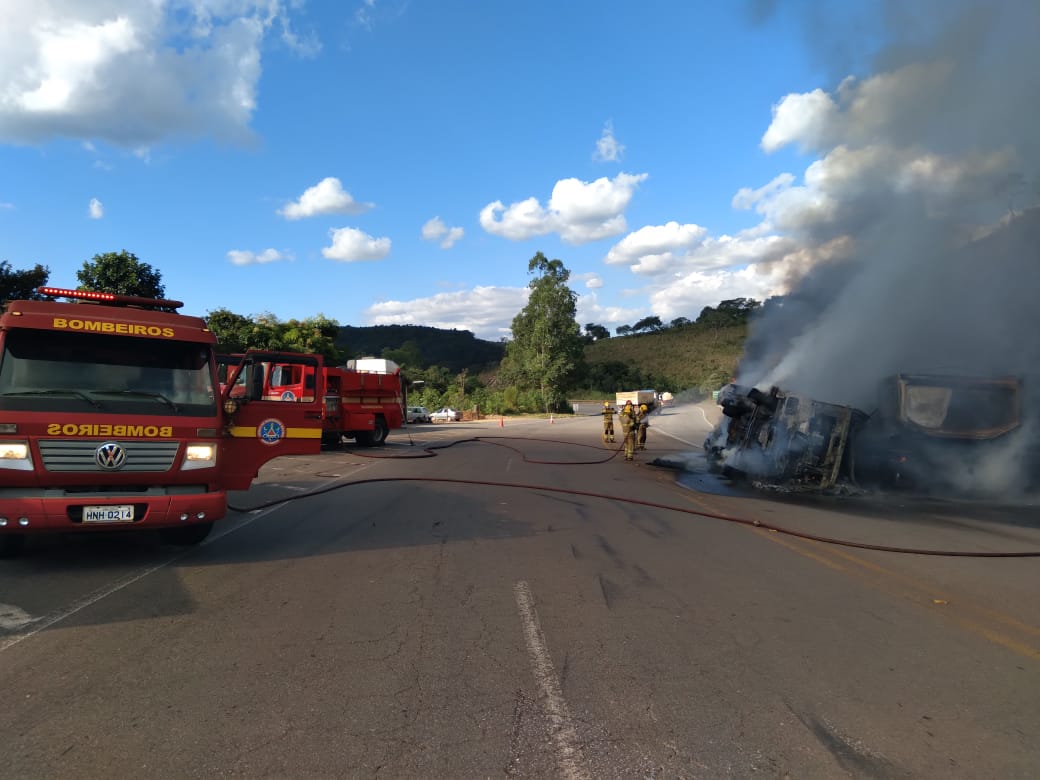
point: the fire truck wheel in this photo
(381, 431)
(11, 545)
(186, 535)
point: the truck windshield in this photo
(42, 370)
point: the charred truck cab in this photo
(111, 417)
(782, 437)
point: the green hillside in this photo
(699, 357)
(419, 346)
(694, 356)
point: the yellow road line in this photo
(913, 590)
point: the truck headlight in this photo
(15, 455)
(200, 456)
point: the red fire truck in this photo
(111, 417)
(363, 399)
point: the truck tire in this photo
(374, 437)
(186, 535)
(382, 430)
(11, 545)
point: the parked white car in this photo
(446, 414)
(417, 414)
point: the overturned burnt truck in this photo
(782, 437)
(928, 432)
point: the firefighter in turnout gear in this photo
(608, 423)
(642, 422)
(628, 425)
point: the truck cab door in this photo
(262, 427)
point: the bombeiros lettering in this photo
(100, 326)
(107, 429)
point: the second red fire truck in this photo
(363, 400)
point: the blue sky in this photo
(390, 161)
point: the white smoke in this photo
(929, 175)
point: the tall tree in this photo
(21, 285)
(546, 352)
(121, 273)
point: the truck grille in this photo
(63, 455)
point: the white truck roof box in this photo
(371, 365)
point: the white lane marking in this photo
(677, 438)
(80, 604)
(708, 422)
(564, 736)
(12, 617)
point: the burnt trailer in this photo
(926, 432)
(930, 431)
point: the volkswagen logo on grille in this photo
(110, 456)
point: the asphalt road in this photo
(579, 617)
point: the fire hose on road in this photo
(431, 451)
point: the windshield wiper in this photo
(76, 393)
(142, 394)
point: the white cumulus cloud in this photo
(487, 312)
(133, 73)
(608, 148)
(592, 280)
(325, 197)
(654, 248)
(859, 112)
(436, 230)
(244, 257)
(95, 209)
(351, 245)
(589, 309)
(689, 294)
(578, 211)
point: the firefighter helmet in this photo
(642, 407)
(606, 404)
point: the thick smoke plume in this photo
(928, 179)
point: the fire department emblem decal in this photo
(270, 431)
(110, 456)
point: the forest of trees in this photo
(549, 359)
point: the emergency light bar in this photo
(111, 298)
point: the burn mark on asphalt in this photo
(610, 551)
(610, 591)
(851, 754)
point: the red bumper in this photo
(28, 515)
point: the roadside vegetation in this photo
(549, 359)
